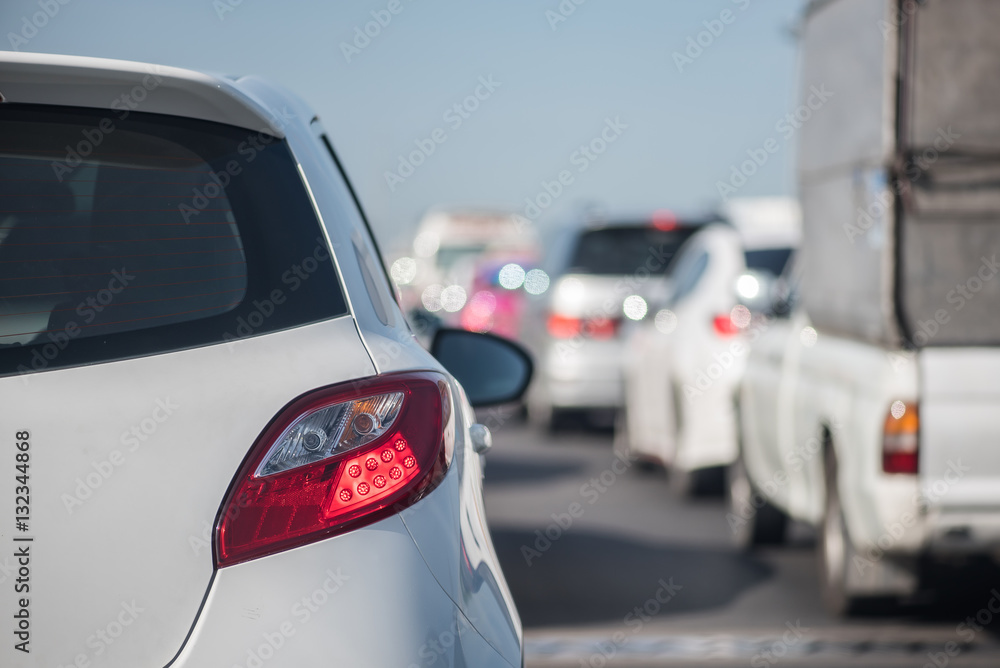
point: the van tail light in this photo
(900, 438)
(337, 459)
(724, 326)
(598, 328)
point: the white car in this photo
(684, 360)
(222, 446)
(575, 328)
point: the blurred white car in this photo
(225, 446)
(684, 360)
(574, 328)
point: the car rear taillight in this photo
(664, 220)
(724, 325)
(337, 459)
(900, 438)
(564, 327)
(601, 328)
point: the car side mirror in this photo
(492, 370)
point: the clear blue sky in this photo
(608, 59)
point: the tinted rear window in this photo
(619, 251)
(146, 234)
(771, 260)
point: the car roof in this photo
(246, 102)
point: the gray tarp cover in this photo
(950, 245)
(950, 226)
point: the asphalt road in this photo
(610, 568)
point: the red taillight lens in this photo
(900, 439)
(664, 220)
(337, 459)
(601, 328)
(564, 327)
(724, 326)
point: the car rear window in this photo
(770, 260)
(622, 250)
(128, 236)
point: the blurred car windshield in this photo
(447, 256)
(771, 260)
(622, 250)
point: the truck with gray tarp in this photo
(891, 364)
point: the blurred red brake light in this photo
(598, 328)
(724, 326)
(563, 327)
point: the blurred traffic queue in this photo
(471, 269)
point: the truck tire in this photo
(753, 520)
(895, 577)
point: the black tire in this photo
(753, 519)
(700, 483)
